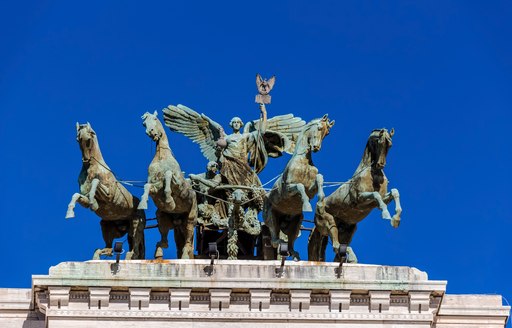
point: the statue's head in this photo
(378, 145)
(212, 167)
(87, 140)
(236, 123)
(153, 126)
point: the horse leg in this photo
(346, 233)
(168, 190)
(92, 193)
(108, 233)
(179, 240)
(319, 184)
(375, 196)
(271, 222)
(188, 232)
(326, 224)
(395, 221)
(292, 236)
(143, 205)
(315, 245)
(164, 225)
(298, 189)
(137, 223)
(81, 199)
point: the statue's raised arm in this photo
(280, 134)
(198, 127)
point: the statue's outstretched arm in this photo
(206, 182)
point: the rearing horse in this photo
(338, 215)
(103, 194)
(299, 183)
(171, 193)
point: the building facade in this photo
(190, 293)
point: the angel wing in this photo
(271, 82)
(198, 127)
(259, 80)
(287, 125)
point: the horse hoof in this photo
(142, 206)
(386, 215)
(159, 253)
(129, 255)
(395, 223)
(70, 214)
(96, 255)
(306, 207)
(351, 256)
(94, 206)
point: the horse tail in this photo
(316, 246)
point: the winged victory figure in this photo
(243, 153)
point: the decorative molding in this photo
(419, 301)
(179, 298)
(263, 315)
(260, 299)
(379, 300)
(300, 299)
(339, 300)
(59, 296)
(220, 299)
(139, 298)
(99, 297)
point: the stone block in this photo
(379, 301)
(419, 301)
(179, 298)
(139, 297)
(260, 299)
(59, 296)
(339, 300)
(300, 299)
(220, 299)
(99, 297)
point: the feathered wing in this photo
(271, 82)
(281, 134)
(258, 81)
(198, 127)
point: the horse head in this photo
(377, 147)
(154, 128)
(87, 140)
(315, 131)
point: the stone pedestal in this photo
(178, 293)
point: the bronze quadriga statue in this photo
(337, 216)
(239, 157)
(108, 198)
(298, 184)
(172, 194)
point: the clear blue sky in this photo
(439, 72)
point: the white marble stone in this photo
(178, 293)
